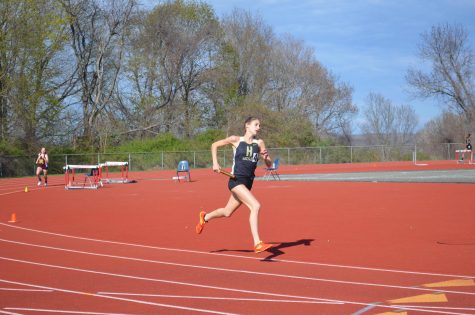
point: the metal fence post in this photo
(288, 155)
(351, 154)
(415, 150)
(130, 168)
(194, 159)
(162, 160)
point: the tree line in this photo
(97, 73)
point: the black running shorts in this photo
(246, 181)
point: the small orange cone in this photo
(13, 218)
(26, 188)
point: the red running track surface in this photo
(340, 248)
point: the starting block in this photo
(91, 179)
(462, 158)
(123, 179)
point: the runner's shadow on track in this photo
(274, 251)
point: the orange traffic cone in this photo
(13, 218)
(26, 188)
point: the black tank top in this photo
(245, 158)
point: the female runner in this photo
(246, 155)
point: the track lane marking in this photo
(237, 270)
(25, 290)
(451, 283)
(168, 281)
(239, 256)
(423, 298)
(198, 286)
(60, 311)
(117, 298)
(192, 297)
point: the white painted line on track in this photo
(239, 270)
(196, 285)
(9, 189)
(26, 290)
(240, 256)
(13, 192)
(29, 190)
(59, 311)
(217, 298)
(117, 298)
(9, 313)
(192, 285)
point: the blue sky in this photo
(369, 44)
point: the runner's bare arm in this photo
(233, 140)
(264, 153)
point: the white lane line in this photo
(192, 285)
(26, 290)
(169, 281)
(9, 313)
(217, 298)
(240, 270)
(239, 256)
(116, 298)
(60, 311)
(29, 189)
(13, 192)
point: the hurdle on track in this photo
(123, 179)
(90, 180)
(470, 156)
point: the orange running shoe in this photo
(201, 224)
(261, 247)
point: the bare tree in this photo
(221, 87)
(388, 124)
(407, 121)
(325, 101)
(251, 40)
(443, 129)
(284, 74)
(152, 73)
(287, 70)
(438, 132)
(173, 50)
(327, 104)
(97, 32)
(196, 43)
(451, 79)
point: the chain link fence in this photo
(15, 166)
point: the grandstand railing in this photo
(14, 166)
